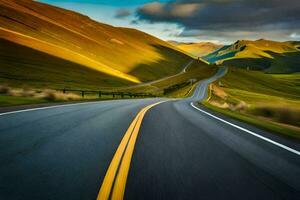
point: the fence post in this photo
(82, 94)
(64, 90)
(113, 95)
(99, 94)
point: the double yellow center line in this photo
(113, 185)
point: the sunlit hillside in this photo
(25, 67)
(199, 49)
(270, 56)
(129, 55)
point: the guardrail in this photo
(113, 94)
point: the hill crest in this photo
(259, 54)
(125, 53)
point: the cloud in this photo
(227, 37)
(122, 13)
(160, 11)
(295, 36)
(239, 16)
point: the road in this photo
(143, 149)
(150, 83)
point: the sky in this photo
(219, 21)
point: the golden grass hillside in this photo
(126, 54)
(199, 49)
(22, 67)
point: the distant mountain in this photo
(296, 44)
(120, 56)
(198, 49)
(266, 55)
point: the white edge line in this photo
(250, 132)
(46, 107)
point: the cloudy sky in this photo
(221, 21)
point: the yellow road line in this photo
(113, 185)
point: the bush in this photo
(279, 114)
(4, 89)
(52, 95)
(27, 92)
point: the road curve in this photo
(180, 153)
(150, 83)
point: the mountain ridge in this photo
(198, 49)
(260, 54)
(121, 52)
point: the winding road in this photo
(150, 83)
(143, 149)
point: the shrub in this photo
(52, 95)
(49, 95)
(27, 92)
(279, 114)
(4, 89)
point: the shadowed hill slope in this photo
(266, 55)
(23, 66)
(65, 35)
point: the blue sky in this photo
(220, 21)
(107, 2)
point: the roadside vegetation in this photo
(181, 85)
(24, 96)
(41, 55)
(15, 96)
(269, 101)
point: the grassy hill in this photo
(198, 49)
(22, 66)
(78, 50)
(269, 101)
(268, 56)
(44, 48)
(196, 71)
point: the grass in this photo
(264, 55)
(268, 101)
(198, 49)
(15, 101)
(8, 101)
(259, 122)
(11, 95)
(16, 96)
(125, 56)
(196, 71)
(21, 66)
(183, 92)
(46, 48)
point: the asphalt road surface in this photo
(181, 151)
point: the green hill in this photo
(270, 101)
(268, 56)
(54, 46)
(22, 66)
